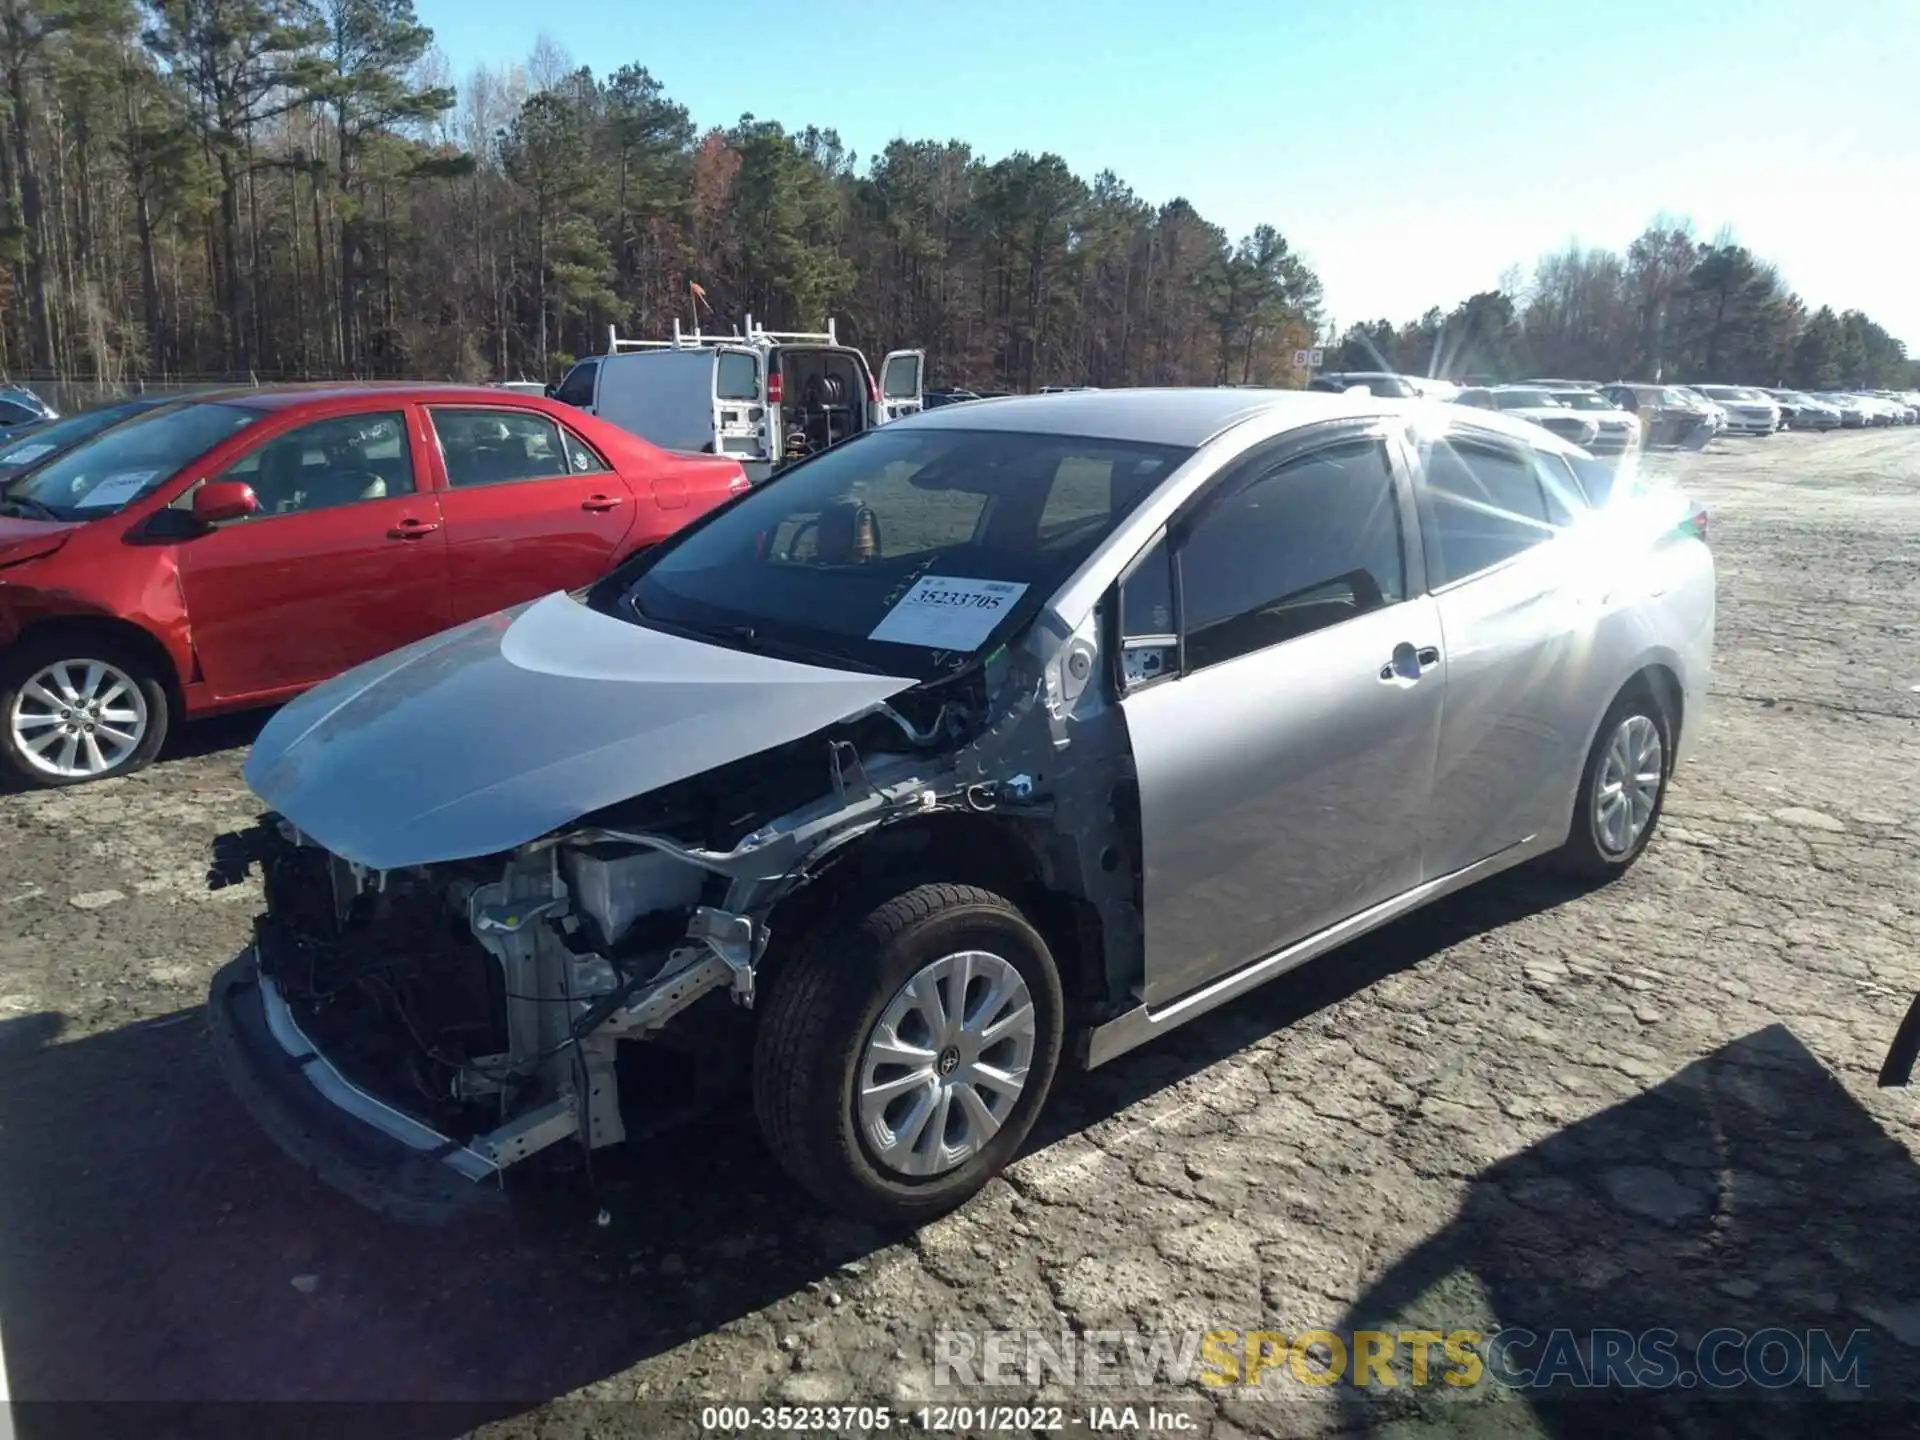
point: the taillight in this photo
(774, 388)
(1696, 523)
(873, 390)
(739, 483)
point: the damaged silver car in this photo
(1010, 733)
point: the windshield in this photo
(1526, 400)
(901, 551)
(1731, 392)
(1582, 400)
(119, 465)
(1387, 387)
(58, 434)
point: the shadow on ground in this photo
(158, 1250)
(1749, 1192)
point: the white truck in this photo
(766, 397)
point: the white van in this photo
(765, 397)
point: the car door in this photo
(740, 423)
(902, 373)
(1514, 596)
(1282, 694)
(344, 561)
(530, 507)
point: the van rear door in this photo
(740, 424)
(902, 381)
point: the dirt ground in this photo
(1651, 1105)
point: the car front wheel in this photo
(74, 709)
(900, 1061)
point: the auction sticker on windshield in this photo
(117, 489)
(945, 613)
(25, 453)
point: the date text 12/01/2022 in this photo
(944, 1419)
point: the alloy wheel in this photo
(78, 719)
(945, 1063)
(1627, 787)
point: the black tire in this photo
(23, 662)
(813, 1030)
(1584, 856)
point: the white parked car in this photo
(1855, 413)
(1749, 411)
(1539, 406)
(1904, 408)
(1619, 430)
(1800, 411)
(1716, 412)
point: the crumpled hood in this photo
(31, 539)
(495, 732)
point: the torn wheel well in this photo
(993, 852)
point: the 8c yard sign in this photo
(1308, 359)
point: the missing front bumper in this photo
(368, 1150)
(396, 1163)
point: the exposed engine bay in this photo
(488, 999)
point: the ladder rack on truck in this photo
(751, 334)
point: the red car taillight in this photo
(739, 484)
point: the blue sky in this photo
(1411, 149)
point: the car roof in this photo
(1190, 417)
(1173, 416)
(281, 397)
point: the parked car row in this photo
(1612, 419)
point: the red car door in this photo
(530, 507)
(345, 559)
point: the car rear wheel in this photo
(76, 708)
(901, 1061)
(1622, 788)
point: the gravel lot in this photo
(1652, 1105)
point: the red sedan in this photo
(231, 550)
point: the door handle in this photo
(601, 502)
(1409, 664)
(412, 529)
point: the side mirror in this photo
(222, 500)
(548, 389)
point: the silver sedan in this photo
(1007, 736)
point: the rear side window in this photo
(1488, 506)
(582, 458)
(12, 414)
(495, 447)
(739, 377)
(577, 388)
(1311, 543)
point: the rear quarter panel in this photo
(1660, 612)
(681, 486)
